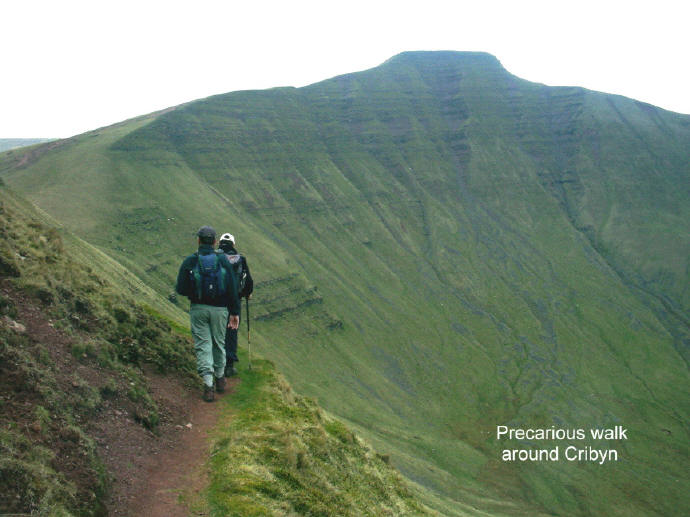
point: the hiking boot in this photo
(209, 396)
(220, 384)
(230, 370)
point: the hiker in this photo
(245, 286)
(207, 278)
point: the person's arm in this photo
(234, 304)
(183, 285)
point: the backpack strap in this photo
(223, 272)
(196, 276)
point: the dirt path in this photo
(148, 471)
(152, 471)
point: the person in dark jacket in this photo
(209, 317)
(246, 287)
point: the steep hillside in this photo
(82, 427)
(439, 248)
(279, 454)
(72, 347)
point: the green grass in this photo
(277, 453)
(439, 247)
(49, 464)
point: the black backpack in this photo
(240, 272)
(209, 278)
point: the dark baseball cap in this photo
(207, 232)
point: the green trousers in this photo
(208, 330)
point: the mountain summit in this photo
(440, 248)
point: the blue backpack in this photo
(209, 278)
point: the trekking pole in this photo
(249, 343)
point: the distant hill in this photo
(439, 248)
(14, 143)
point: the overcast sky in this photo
(70, 66)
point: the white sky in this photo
(69, 66)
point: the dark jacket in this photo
(248, 282)
(185, 284)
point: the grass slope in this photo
(49, 463)
(277, 453)
(439, 248)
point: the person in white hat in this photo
(245, 286)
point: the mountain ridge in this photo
(428, 215)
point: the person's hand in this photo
(234, 322)
(249, 296)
